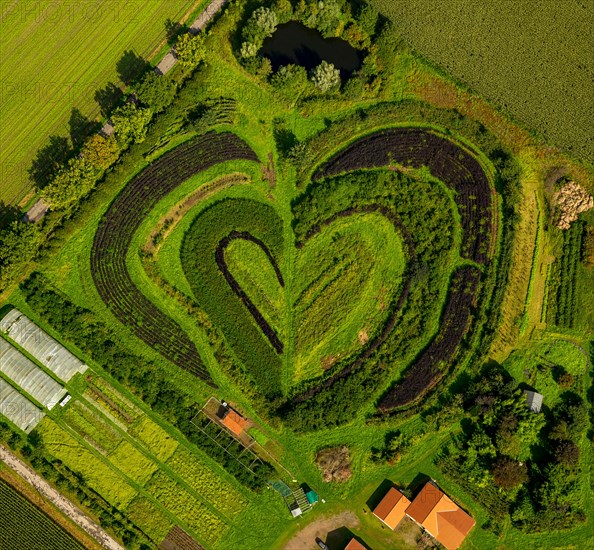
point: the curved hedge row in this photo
(214, 289)
(453, 165)
(116, 231)
(459, 170)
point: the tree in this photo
(131, 123)
(567, 453)
(283, 10)
(156, 92)
(101, 152)
(262, 23)
(190, 49)
(508, 473)
(367, 19)
(71, 184)
(566, 380)
(326, 76)
(328, 17)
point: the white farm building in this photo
(18, 409)
(27, 375)
(40, 345)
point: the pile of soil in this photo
(335, 463)
(570, 201)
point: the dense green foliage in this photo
(533, 457)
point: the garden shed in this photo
(534, 401)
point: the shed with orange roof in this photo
(234, 421)
(392, 508)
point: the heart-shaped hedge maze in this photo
(374, 287)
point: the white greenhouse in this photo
(28, 376)
(51, 354)
(18, 409)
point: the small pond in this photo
(294, 43)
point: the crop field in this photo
(39, 98)
(98, 474)
(498, 49)
(185, 506)
(563, 301)
(357, 268)
(154, 438)
(206, 483)
(24, 526)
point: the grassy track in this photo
(55, 57)
(498, 48)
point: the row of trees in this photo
(77, 176)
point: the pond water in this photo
(294, 43)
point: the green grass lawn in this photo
(55, 57)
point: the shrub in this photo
(156, 92)
(326, 77)
(567, 453)
(508, 473)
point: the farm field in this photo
(39, 98)
(24, 526)
(293, 290)
(528, 58)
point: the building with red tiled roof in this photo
(234, 421)
(442, 518)
(354, 544)
(392, 508)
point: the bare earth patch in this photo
(306, 538)
(335, 463)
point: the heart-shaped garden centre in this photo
(331, 300)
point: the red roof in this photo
(392, 508)
(440, 516)
(235, 422)
(354, 544)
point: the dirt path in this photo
(306, 538)
(58, 500)
(205, 17)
